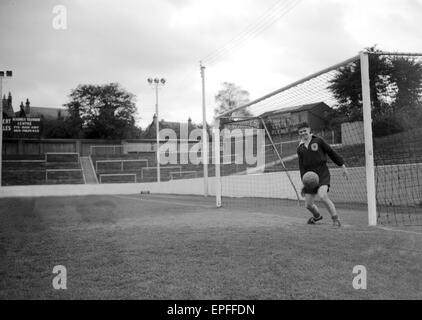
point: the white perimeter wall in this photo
(398, 184)
(352, 133)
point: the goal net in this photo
(340, 103)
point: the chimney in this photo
(189, 125)
(22, 109)
(9, 99)
(7, 105)
(27, 108)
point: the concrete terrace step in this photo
(88, 170)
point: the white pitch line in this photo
(346, 226)
(165, 196)
(398, 230)
(169, 202)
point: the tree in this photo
(346, 86)
(56, 129)
(395, 87)
(231, 97)
(406, 74)
(102, 112)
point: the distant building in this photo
(282, 123)
(48, 113)
(7, 106)
(150, 131)
(28, 111)
(287, 119)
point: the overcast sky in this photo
(128, 41)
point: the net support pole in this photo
(369, 149)
(1, 129)
(204, 134)
(281, 160)
(216, 156)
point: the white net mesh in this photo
(330, 101)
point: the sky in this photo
(260, 45)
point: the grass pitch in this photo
(180, 247)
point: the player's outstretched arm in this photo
(337, 159)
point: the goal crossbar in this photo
(314, 75)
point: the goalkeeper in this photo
(312, 152)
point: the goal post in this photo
(369, 148)
(368, 109)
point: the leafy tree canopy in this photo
(395, 89)
(230, 97)
(102, 112)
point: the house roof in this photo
(8, 110)
(170, 125)
(7, 106)
(47, 112)
(175, 126)
(303, 107)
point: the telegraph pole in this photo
(204, 133)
